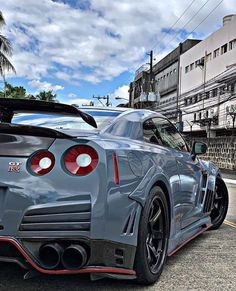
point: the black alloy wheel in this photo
(153, 238)
(220, 204)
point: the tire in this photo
(152, 238)
(220, 204)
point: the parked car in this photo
(106, 191)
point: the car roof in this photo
(142, 113)
(103, 108)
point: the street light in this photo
(119, 98)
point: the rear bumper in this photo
(107, 259)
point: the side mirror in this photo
(199, 148)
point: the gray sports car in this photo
(106, 191)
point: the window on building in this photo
(207, 95)
(195, 116)
(195, 99)
(200, 115)
(233, 86)
(215, 92)
(222, 90)
(185, 102)
(216, 53)
(228, 87)
(224, 49)
(196, 63)
(208, 57)
(170, 72)
(186, 69)
(167, 75)
(232, 44)
(191, 66)
(174, 71)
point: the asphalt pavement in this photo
(207, 263)
(230, 179)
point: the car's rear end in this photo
(57, 191)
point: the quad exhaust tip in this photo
(74, 257)
(50, 255)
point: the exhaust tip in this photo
(74, 257)
(50, 255)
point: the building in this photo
(207, 83)
(195, 83)
(160, 91)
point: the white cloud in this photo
(53, 39)
(45, 86)
(121, 91)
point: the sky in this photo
(81, 48)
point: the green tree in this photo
(47, 96)
(5, 52)
(16, 92)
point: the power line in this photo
(210, 106)
(163, 110)
(207, 16)
(182, 26)
(209, 82)
(174, 37)
(189, 22)
(173, 25)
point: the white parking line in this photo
(230, 181)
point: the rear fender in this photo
(140, 194)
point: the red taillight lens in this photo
(116, 169)
(42, 162)
(81, 160)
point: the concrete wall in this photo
(221, 151)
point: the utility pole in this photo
(151, 72)
(233, 116)
(103, 97)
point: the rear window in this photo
(56, 121)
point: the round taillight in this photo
(80, 160)
(42, 162)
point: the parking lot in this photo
(207, 263)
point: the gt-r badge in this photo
(14, 167)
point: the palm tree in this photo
(5, 52)
(47, 96)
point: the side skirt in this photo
(189, 240)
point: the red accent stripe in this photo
(189, 240)
(116, 169)
(94, 269)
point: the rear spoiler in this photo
(10, 106)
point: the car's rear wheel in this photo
(152, 238)
(220, 204)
